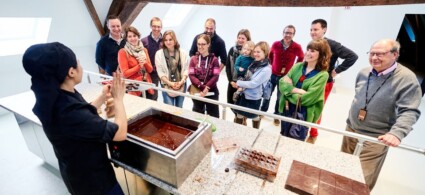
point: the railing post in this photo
(359, 147)
(224, 112)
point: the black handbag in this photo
(292, 130)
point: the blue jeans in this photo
(274, 79)
(174, 101)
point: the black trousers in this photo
(230, 92)
(155, 80)
(211, 109)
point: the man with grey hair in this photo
(385, 106)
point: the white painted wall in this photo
(71, 25)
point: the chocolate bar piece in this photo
(307, 179)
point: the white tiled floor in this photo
(21, 172)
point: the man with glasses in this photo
(152, 43)
(385, 106)
(317, 31)
(282, 56)
(217, 47)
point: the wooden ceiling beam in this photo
(291, 3)
(130, 12)
(94, 16)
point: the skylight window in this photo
(176, 14)
(17, 34)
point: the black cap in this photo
(48, 64)
(49, 60)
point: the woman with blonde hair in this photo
(305, 82)
(172, 64)
(134, 61)
(257, 75)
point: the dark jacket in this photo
(339, 51)
(234, 53)
(107, 53)
(152, 46)
(79, 136)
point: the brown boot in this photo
(311, 140)
(238, 120)
(276, 122)
(244, 121)
(256, 124)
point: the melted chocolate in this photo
(159, 132)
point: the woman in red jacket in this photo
(134, 61)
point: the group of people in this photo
(385, 105)
(304, 78)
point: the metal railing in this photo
(361, 138)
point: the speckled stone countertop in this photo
(210, 177)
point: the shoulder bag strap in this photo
(297, 107)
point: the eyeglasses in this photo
(378, 54)
(201, 44)
(288, 33)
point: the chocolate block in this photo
(343, 183)
(298, 167)
(327, 177)
(318, 181)
(326, 189)
(360, 188)
(312, 172)
(256, 163)
(340, 191)
(301, 184)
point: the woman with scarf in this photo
(306, 80)
(77, 133)
(204, 71)
(243, 36)
(172, 64)
(256, 77)
(134, 61)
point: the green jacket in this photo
(313, 100)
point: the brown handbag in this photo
(193, 89)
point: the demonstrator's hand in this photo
(118, 86)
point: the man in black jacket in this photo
(317, 31)
(108, 46)
(218, 47)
